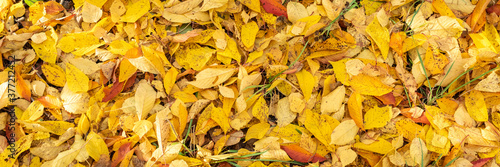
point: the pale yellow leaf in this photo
(142, 127)
(344, 133)
(296, 11)
(91, 13)
(145, 97)
(283, 114)
(226, 92)
(211, 77)
(332, 102)
(346, 155)
(418, 150)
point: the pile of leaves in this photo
(249, 83)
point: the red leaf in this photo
(300, 154)
(274, 7)
(481, 162)
(110, 93)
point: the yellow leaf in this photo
(126, 70)
(481, 41)
(193, 56)
(79, 43)
(252, 4)
(97, 3)
(83, 124)
(154, 57)
(476, 107)
(220, 144)
(21, 145)
(230, 52)
(47, 49)
(119, 46)
(380, 146)
(257, 131)
(289, 132)
(179, 110)
(77, 80)
(355, 107)
(435, 61)
(96, 146)
(378, 117)
(321, 126)
(492, 35)
(380, 35)
(442, 8)
(257, 164)
(33, 112)
(135, 10)
(368, 85)
(185, 97)
(409, 129)
(211, 77)
(55, 127)
(169, 79)
(260, 109)
(219, 116)
(142, 127)
(413, 42)
(340, 71)
(306, 83)
(250, 32)
(145, 97)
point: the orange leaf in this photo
(274, 7)
(476, 15)
(355, 107)
(387, 99)
(421, 119)
(21, 86)
(300, 154)
(50, 101)
(120, 154)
